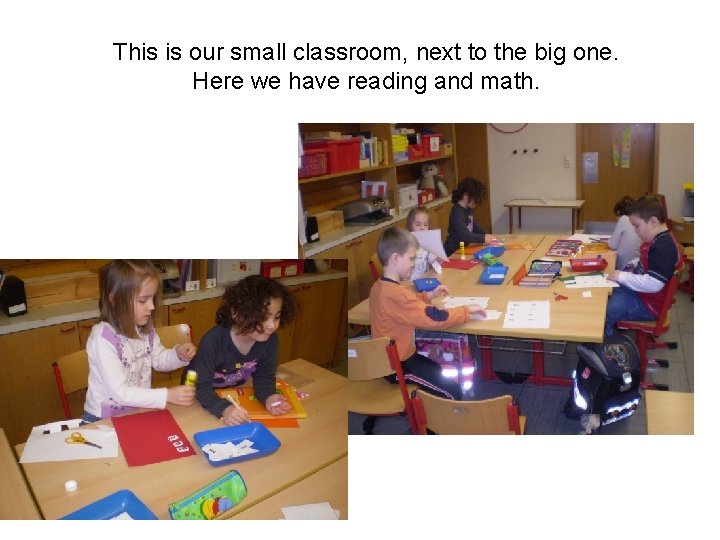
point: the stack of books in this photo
(541, 274)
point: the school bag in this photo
(606, 381)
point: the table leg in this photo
(486, 358)
(573, 225)
(538, 362)
(510, 216)
(519, 217)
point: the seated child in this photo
(624, 239)
(123, 348)
(462, 226)
(418, 219)
(642, 290)
(396, 311)
(243, 344)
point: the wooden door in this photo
(199, 315)
(28, 392)
(318, 326)
(471, 149)
(613, 180)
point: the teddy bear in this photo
(431, 180)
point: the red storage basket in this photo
(313, 162)
(588, 265)
(282, 268)
(343, 154)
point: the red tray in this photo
(586, 265)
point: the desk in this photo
(573, 205)
(669, 413)
(16, 502)
(320, 441)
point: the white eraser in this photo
(70, 485)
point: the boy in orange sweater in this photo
(396, 311)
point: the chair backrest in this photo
(71, 375)
(174, 335)
(368, 359)
(374, 358)
(376, 267)
(663, 321)
(495, 416)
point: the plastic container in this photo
(120, 502)
(425, 196)
(343, 154)
(495, 251)
(313, 162)
(426, 284)
(431, 145)
(494, 275)
(281, 268)
(588, 265)
(263, 441)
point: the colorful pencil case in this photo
(494, 275)
(211, 500)
(493, 251)
(426, 284)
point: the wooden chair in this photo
(494, 416)
(375, 267)
(71, 375)
(689, 285)
(169, 337)
(369, 361)
(647, 332)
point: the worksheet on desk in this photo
(527, 314)
(457, 301)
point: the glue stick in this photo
(462, 248)
(190, 378)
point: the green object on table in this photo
(490, 260)
(211, 500)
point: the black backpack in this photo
(606, 381)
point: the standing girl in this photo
(243, 344)
(624, 239)
(462, 226)
(418, 219)
(123, 348)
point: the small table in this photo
(539, 203)
(669, 413)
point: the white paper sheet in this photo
(431, 241)
(585, 282)
(490, 315)
(51, 446)
(589, 238)
(527, 314)
(321, 510)
(456, 301)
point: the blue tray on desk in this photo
(494, 274)
(123, 501)
(263, 441)
(495, 251)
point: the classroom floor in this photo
(543, 404)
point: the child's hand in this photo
(439, 290)
(277, 404)
(614, 275)
(185, 351)
(181, 395)
(489, 238)
(477, 309)
(233, 416)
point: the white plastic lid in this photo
(71, 485)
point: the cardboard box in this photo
(408, 195)
(683, 230)
(329, 221)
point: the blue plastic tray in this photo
(494, 275)
(426, 284)
(112, 506)
(495, 251)
(265, 442)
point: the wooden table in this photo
(669, 413)
(16, 501)
(573, 205)
(319, 442)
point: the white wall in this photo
(531, 175)
(543, 174)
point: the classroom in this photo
(541, 359)
(223, 453)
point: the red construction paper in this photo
(151, 437)
(458, 263)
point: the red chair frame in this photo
(396, 364)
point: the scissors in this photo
(559, 297)
(77, 438)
